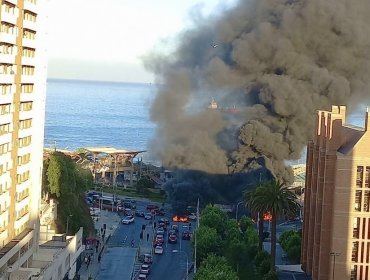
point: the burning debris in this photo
(279, 61)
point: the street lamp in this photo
(187, 261)
(334, 255)
(70, 215)
(237, 208)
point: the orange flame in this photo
(178, 218)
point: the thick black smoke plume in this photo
(277, 61)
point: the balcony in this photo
(22, 220)
(13, 247)
(21, 204)
(7, 78)
(28, 61)
(29, 6)
(8, 38)
(24, 115)
(7, 58)
(29, 43)
(27, 79)
(30, 25)
(8, 17)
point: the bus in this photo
(106, 203)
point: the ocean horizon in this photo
(85, 113)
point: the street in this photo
(123, 247)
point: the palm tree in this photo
(274, 197)
(257, 210)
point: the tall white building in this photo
(22, 110)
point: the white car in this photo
(158, 250)
(128, 220)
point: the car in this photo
(186, 235)
(160, 212)
(142, 277)
(129, 205)
(175, 228)
(164, 220)
(160, 231)
(159, 238)
(146, 258)
(148, 216)
(172, 232)
(162, 225)
(140, 213)
(151, 207)
(145, 269)
(192, 216)
(172, 238)
(158, 250)
(128, 220)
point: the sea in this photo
(89, 114)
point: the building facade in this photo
(336, 230)
(22, 110)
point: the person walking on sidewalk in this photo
(147, 237)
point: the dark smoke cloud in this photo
(278, 62)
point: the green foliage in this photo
(208, 241)
(271, 275)
(291, 241)
(67, 182)
(245, 223)
(215, 268)
(262, 262)
(215, 218)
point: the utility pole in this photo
(195, 240)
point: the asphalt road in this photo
(170, 265)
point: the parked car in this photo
(142, 277)
(158, 250)
(172, 238)
(140, 213)
(164, 220)
(151, 207)
(145, 269)
(148, 216)
(186, 235)
(192, 216)
(160, 231)
(128, 220)
(175, 228)
(159, 239)
(146, 258)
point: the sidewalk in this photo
(111, 220)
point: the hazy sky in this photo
(104, 40)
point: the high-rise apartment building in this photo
(336, 232)
(22, 109)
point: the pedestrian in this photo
(147, 237)
(99, 257)
(86, 259)
(155, 224)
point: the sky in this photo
(105, 40)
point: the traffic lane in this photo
(126, 233)
(170, 265)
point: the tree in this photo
(208, 241)
(276, 198)
(213, 217)
(258, 210)
(215, 268)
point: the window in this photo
(24, 159)
(359, 175)
(4, 148)
(24, 124)
(356, 225)
(354, 251)
(28, 70)
(8, 28)
(29, 16)
(353, 272)
(366, 201)
(358, 199)
(27, 88)
(24, 142)
(5, 109)
(26, 106)
(4, 128)
(28, 52)
(29, 34)
(23, 177)
(7, 48)
(5, 89)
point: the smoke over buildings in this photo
(277, 61)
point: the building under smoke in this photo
(278, 61)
